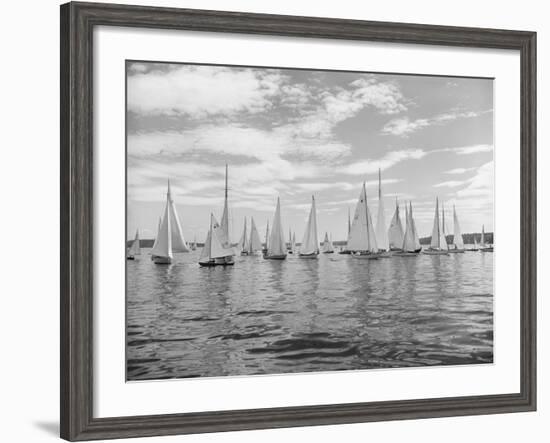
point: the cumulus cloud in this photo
(390, 159)
(404, 126)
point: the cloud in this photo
(371, 166)
(472, 149)
(449, 184)
(403, 126)
(459, 170)
(201, 91)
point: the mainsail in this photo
(158, 233)
(170, 237)
(327, 245)
(293, 243)
(277, 245)
(457, 238)
(310, 242)
(443, 230)
(417, 245)
(395, 232)
(244, 242)
(214, 246)
(134, 248)
(482, 242)
(381, 232)
(226, 238)
(438, 237)
(255, 243)
(409, 243)
(267, 236)
(362, 236)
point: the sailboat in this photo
(290, 249)
(264, 250)
(443, 224)
(293, 244)
(309, 248)
(381, 232)
(438, 244)
(483, 247)
(411, 243)
(276, 249)
(362, 239)
(345, 250)
(458, 241)
(243, 246)
(157, 237)
(476, 245)
(215, 246)
(226, 240)
(395, 231)
(134, 248)
(327, 247)
(194, 244)
(170, 237)
(255, 244)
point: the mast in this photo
(381, 232)
(176, 232)
(267, 235)
(435, 241)
(457, 234)
(349, 223)
(225, 214)
(276, 241)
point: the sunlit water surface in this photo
(334, 313)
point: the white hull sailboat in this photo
(458, 241)
(243, 246)
(483, 247)
(254, 244)
(381, 233)
(438, 244)
(411, 243)
(277, 246)
(170, 237)
(362, 238)
(395, 231)
(215, 250)
(327, 247)
(345, 250)
(309, 248)
(134, 248)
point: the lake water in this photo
(334, 313)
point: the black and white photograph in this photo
(290, 220)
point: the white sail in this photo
(290, 240)
(244, 242)
(310, 242)
(409, 244)
(482, 242)
(476, 245)
(158, 233)
(255, 243)
(277, 245)
(135, 248)
(267, 236)
(205, 252)
(163, 245)
(381, 232)
(417, 245)
(438, 240)
(362, 236)
(327, 245)
(457, 240)
(443, 232)
(395, 231)
(293, 243)
(218, 242)
(225, 232)
(178, 242)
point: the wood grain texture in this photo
(76, 304)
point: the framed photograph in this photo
(273, 221)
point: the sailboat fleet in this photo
(365, 240)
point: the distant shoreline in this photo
(468, 239)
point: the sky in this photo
(292, 134)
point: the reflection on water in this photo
(335, 313)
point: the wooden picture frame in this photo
(77, 23)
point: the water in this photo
(334, 313)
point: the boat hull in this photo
(328, 252)
(457, 251)
(161, 260)
(346, 252)
(307, 255)
(435, 252)
(406, 254)
(275, 257)
(370, 256)
(487, 249)
(130, 257)
(385, 254)
(207, 264)
(224, 261)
